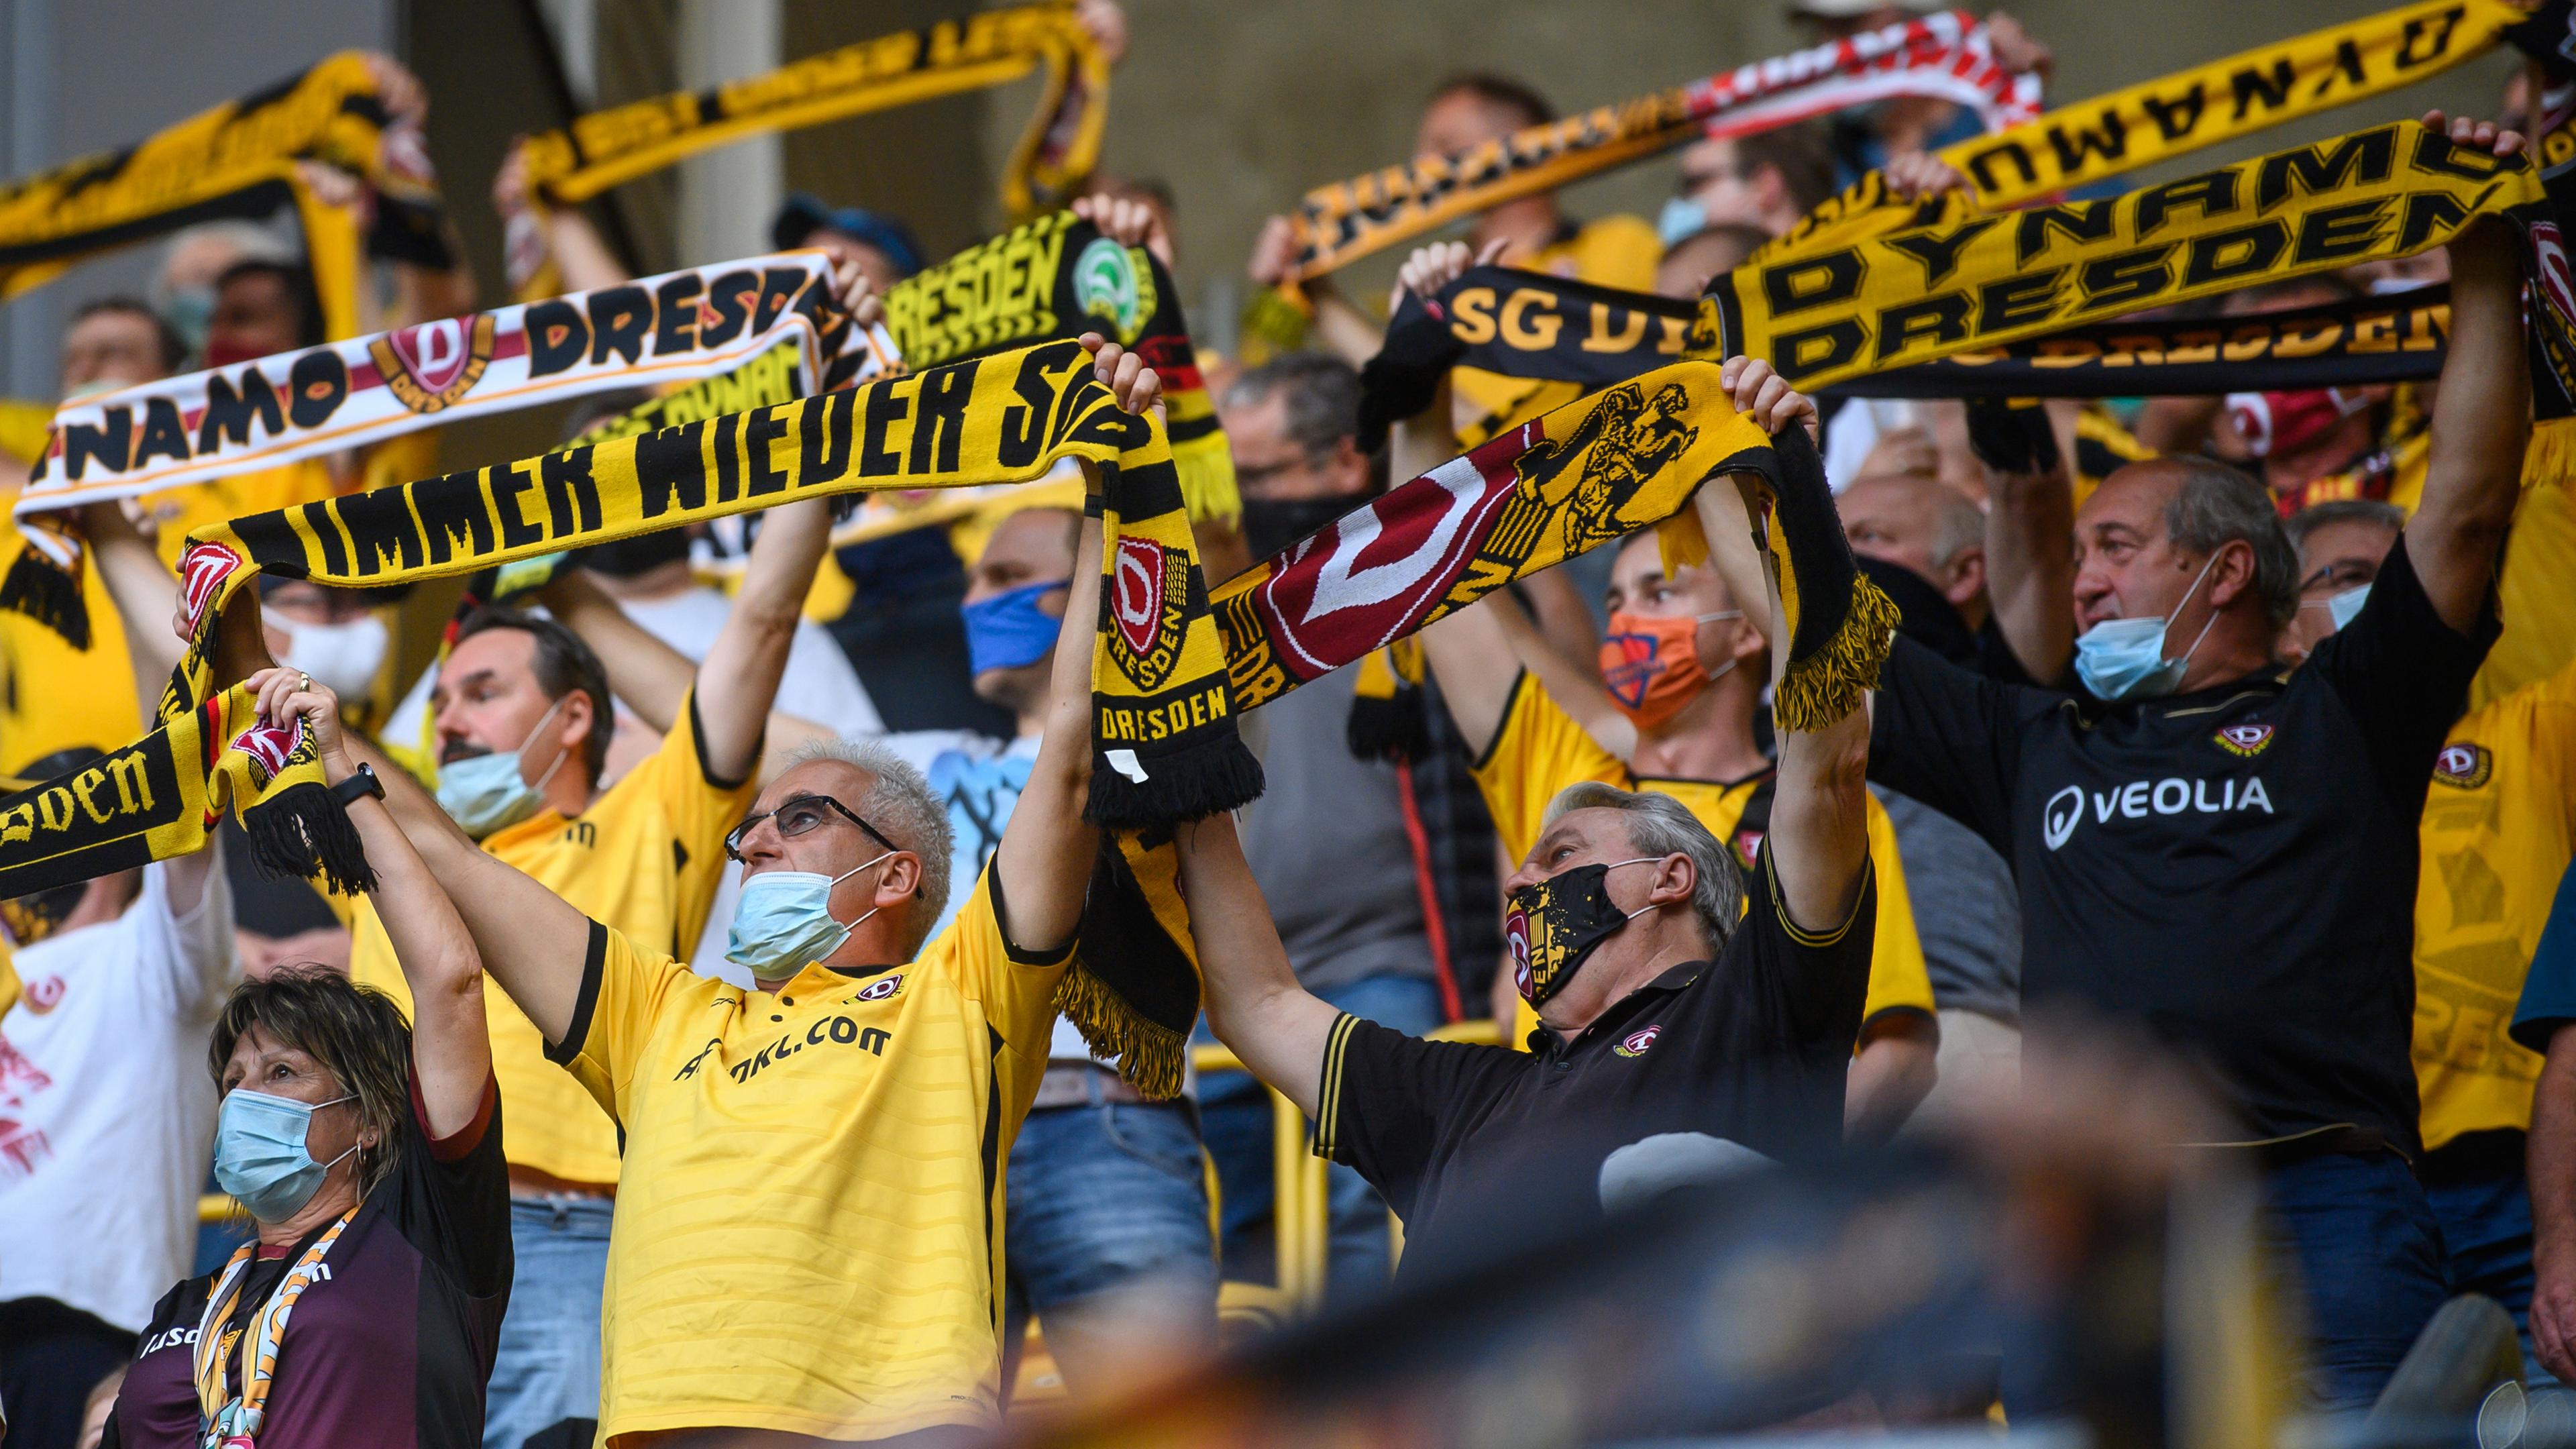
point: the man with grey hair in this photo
(1673, 996)
(2224, 851)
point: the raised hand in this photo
(1765, 396)
(1136, 386)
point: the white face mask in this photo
(342, 658)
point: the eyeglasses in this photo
(796, 815)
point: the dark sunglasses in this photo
(796, 815)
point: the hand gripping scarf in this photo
(1944, 54)
(350, 394)
(2172, 115)
(1057, 276)
(1985, 281)
(237, 159)
(996, 47)
(1529, 325)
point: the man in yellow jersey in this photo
(1692, 1015)
(2499, 829)
(811, 1196)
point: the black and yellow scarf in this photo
(995, 47)
(2173, 115)
(1985, 281)
(237, 159)
(1057, 276)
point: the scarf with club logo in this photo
(996, 47)
(274, 410)
(237, 160)
(1985, 281)
(1945, 55)
(2173, 115)
(1057, 276)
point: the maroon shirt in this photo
(392, 1347)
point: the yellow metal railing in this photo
(1301, 1221)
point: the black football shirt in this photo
(2233, 867)
(1474, 1146)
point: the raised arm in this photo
(2030, 534)
(451, 1047)
(648, 676)
(1046, 854)
(144, 590)
(2481, 413)
(1254, 1004)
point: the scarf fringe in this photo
(1206, 469)
(2548, 460)
(1390, 727)
(1149, 1055)
(1828, 683)
(1190, 784)
(48, 594)
(303, 831)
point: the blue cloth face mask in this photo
(1680, 217)
(1009, 630)
(260, 1156)
(486, 793)
(2343, 608)
(784, 920)
(2125, 658)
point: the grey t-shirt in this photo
(1326, 843)
(1966, 910)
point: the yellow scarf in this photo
(996, 47)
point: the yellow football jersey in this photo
(2499, 827)
(1540, 750)
(53, 696)
(809, 1232)
(646, 857)
(1616, 251)
(2532, 596)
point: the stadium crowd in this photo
(699, 1066)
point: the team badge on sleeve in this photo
(2244, 740)
(2463, 766)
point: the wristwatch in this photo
(358, 786)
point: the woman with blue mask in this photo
(366, 1153)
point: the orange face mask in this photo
(1651, 665)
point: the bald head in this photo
(1924, 527)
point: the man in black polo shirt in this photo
(1673, 1018)
(2226, 852)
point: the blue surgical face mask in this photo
(191, 314)
(1009, 630)
(260, 1155)
(2125, 658)
(486, 793)
(1680, 217)
(2343, 608)
(784, 920)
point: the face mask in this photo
(342, 658)
(2391, 286)
(1553, 925)
(189, 313)
(2125, 658)
(260, 1155)
(1009, 630)
(2343, 608)
(784, 920)
(2285, 422)
(1271, 524)
(485, 793)
(1680, 217)
(1651, 665)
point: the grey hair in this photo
(2218, 505)
(1323, 398)
(901, 803)
(2343, 510)
(1659, 825)
(1958, 526)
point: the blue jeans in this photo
(2482, 1199)
(1108, 1217)
(2367, 1252)
(1235, 1110)
(547, 1369)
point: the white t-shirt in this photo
(107, 1114)
(819, 684)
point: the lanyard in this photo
(225, 1421)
